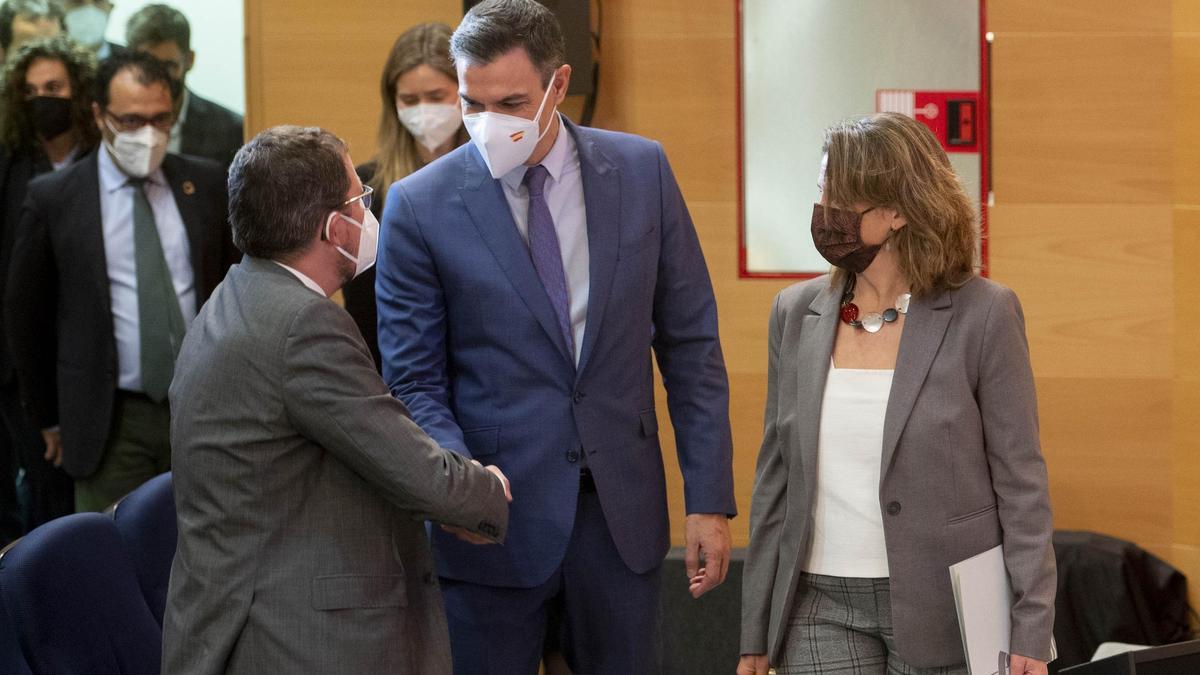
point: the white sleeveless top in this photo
(847, 524)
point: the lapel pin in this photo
(189, 188)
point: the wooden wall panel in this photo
(1064, 133)
(1079, 16)
(1185, 62)
(1095, 297)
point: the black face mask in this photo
(839, 240)
(51, 115)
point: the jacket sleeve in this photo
(1008, 406)
(30, 314)
(334, 397)
(412, 323)
(767, 510)
(687, 345)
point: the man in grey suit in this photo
(300, 482)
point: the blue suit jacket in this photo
(470, 345)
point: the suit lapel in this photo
(924, 327)
(92, 227)
(484, 199)
(815, 349)
(184, 192)
(602, 206)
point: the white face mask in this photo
(505, 141)
(138, 153)
(86, 25)
(432, 124)
(368, 240)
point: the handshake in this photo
(471, 537)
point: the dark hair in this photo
(282, 185)
(494, 27)
(10, 9)
(16, 124)
(154, 24)
(425, 44)
(147, 69)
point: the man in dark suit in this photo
(522, 292)
(203, 128)
(113, 257)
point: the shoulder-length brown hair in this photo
(426, 44)
(892, 161)
(16, 124)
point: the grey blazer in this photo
(962, 468)
(301, 486)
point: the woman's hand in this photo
(756, 664)
(1020, 665)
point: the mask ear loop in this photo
(545, 97)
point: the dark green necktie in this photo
(160, 322)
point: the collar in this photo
(183, 110)
(304, 279)
(112, 178)
(555, 161)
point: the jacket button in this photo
(577, 396)
(893, 508)
(573, 456)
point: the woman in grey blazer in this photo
(900, 433)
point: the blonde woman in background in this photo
(420, 121)
(900, 434)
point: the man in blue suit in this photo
(523, 282)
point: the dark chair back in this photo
(70, 590)
(146, 520)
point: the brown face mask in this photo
(839, 240)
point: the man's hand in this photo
(1023, 665)
(53, 439)
(707, 537)
(503, 479)
(753, 664)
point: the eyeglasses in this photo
(365, 197)
(161, 121)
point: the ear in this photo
(98, 115)
(896, 221)
(189, 61)
(561, 82)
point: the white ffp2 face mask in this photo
(431, 124)
(368, 240)
(505, 141)
(138, 153)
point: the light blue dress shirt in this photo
(116, 214)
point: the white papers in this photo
(983, 598)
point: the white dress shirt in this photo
(304, 279)
(847, 528)
(116, 215)
(564, 197)
(175, 140)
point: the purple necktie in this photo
(543, 247)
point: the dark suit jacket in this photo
(211, 131)
(16, 170)
(472, 347)
(57, 305)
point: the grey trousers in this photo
(843, 626)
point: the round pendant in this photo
(890, 315)
(902, 302)
(849, 312)
(872, 322)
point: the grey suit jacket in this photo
(962, 469)
(301, 486)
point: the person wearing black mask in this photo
(45, 124)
